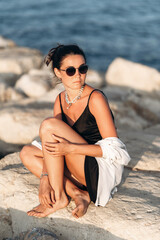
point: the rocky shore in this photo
(27, 93)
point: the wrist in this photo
(72, 148)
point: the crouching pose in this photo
(80, 155)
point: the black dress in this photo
(86, 127)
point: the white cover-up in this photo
(111, 166)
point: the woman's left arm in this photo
(99, 107)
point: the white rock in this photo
(19, 123)
(116, 93)
(94, 79)
(147, 107)
(144, 149)
(9, 78)
(49, 96)
(6, 43)
(154, 130)
(126, 117)
(132, 214)
(19, 60)
(34, 84)
(137, 76)
(3, 88)
(9, 94)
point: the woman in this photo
(80, 154)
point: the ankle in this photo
(77, 191)
(60, 195)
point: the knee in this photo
(49, 125)
(25, 154)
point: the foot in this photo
(42, 211)
(82, 201)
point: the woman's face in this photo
(78, 79)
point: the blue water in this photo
(105, 29)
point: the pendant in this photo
(70, 104)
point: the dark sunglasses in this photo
(70, 71)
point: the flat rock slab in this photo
(132, 214)
(144, 149)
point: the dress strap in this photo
(60, 102)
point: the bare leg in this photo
(81, 198)
(32, 158)
(55, 169)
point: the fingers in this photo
(75, 212)
(59, 139)
(46, 201)
(54, 151)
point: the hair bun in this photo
(50, 56)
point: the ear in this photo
(57, 73)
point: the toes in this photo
(30, 213)
(36, 214)
(75, 212)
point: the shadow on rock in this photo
(17, 223)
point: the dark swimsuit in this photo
(86, 127)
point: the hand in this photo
(46, 193)
(60, 148)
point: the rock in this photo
(9, 94)
(154, 130)
(9, 78)
(133, 108)
(19, 60)
(115, 93)
(148, 108)
(35, 84)
(135, 205)
(6, 43)
(7, 148)
(50, 96)
(144, 149)
(122, 72)
(94, 79)
(20, 122)
(3, 88)
(36, 234)
(126, 117)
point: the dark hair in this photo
(57, 54)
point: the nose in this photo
(77, 71)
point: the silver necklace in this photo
(74, 100)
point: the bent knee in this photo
(25, 153)
(49, 125)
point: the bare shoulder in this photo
(97, 99)
(100, 109)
